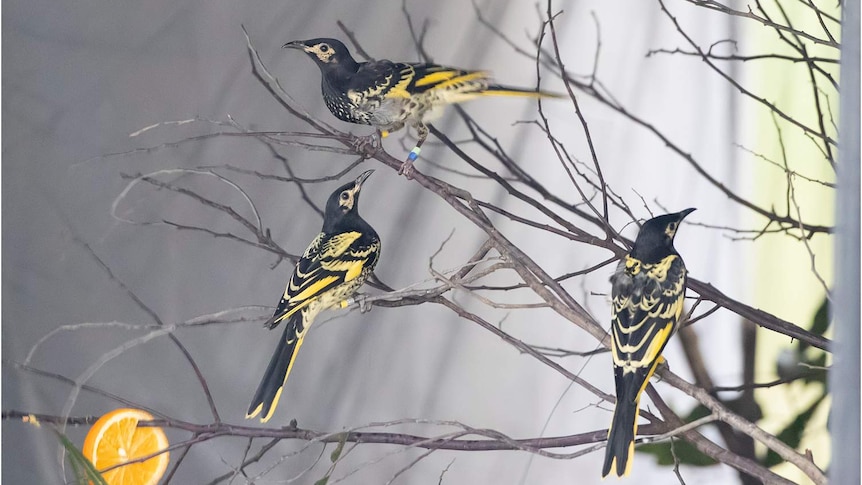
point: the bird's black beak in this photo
(359, 180)
(294, 44)
(686, 212)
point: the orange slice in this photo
(116, 439)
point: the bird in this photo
(336, 263)
(389, 95)
(648, 290)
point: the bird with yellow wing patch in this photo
(333, 267)
(648, 290)
(389, 95)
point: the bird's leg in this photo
(359, 299)
(407, 167)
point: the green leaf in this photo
(82, 467)
(700, 411)
(745, 407)
(792, 434)
(686, 453)
(817, 375)
(818, 326)
(336, 453)
(322, 481)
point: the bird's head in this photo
(326, 53)
(657, 233)
(345, 199)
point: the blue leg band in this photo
(414, 154)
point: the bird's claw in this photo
(360, 300)
(407, 167)
(367, 146)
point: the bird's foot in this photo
(364, 305)
(662, 363)
(407, 167)
(362, 301)
(359, 299)
(367, 146)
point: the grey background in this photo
(80, 76)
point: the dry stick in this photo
(507, 249)
(772, 107)
(608, 101)
(706, 290)
(585, 128)
(254, 459)
(536, 278)
(577, 233)
(741, 58)
(796, 46)
(800, 47)
(494, 441)
(201, 380)
(719, 7)
(785, 220)
(524, 348)
(264, 238)
(279, 178)
(743, 425)
(740, 445)
(496, 150)
(759, 317)
(713, 450)
(531, 273)
(176, 464)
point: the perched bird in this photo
(332, 268)
(388, 95)
(648, 289)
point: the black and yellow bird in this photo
(332, 268)
(648, 289)
(389, 95)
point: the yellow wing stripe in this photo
(657, 342)
(436, 77)
(470, 76)
(290, 312)
(355, 270)
(517, 94)
(313, 289)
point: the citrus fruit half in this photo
(116, 439)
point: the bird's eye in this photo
(672, 226)
(324, 48)
(345, 196)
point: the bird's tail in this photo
(269, 391)
(624, 426)
(498, 90)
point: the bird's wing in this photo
(394, 79)
(647, 303)
(376, 80)
(433, 76)
(329, 261)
